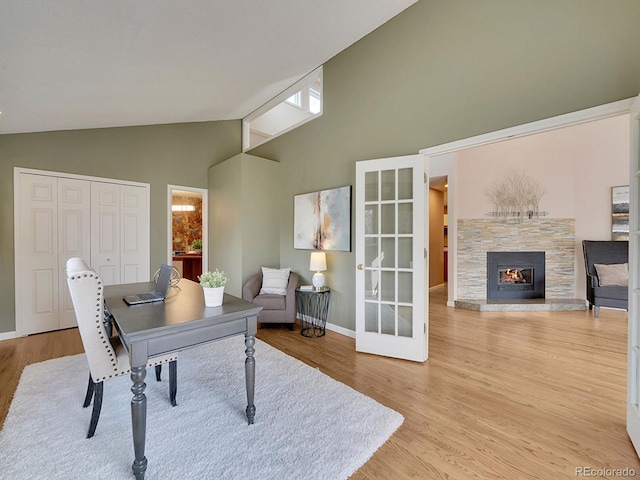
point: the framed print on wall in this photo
(620, 213)
(322, 220)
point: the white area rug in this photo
(307, 425)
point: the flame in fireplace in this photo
(512, 276)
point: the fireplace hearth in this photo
(515, 275)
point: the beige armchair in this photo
(275, 308)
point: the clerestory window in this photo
(295, 106)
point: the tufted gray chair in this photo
(107, 358)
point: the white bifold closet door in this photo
(58, 218)
(120, 232)
(53, 225)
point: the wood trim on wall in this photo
(574, 118)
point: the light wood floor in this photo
(530, 395)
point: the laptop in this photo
(162, 286)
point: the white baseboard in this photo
(7, 335)
(341, 330)
(451, 303)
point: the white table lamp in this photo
(318, 264)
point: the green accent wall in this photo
(178, 154)
(244, 219)
(443, 71)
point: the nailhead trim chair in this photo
(105, 359)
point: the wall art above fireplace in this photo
(516, 197)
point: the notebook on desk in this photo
(162, 286)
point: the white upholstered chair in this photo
(106, 360)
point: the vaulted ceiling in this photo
(72, 64)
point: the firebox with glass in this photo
(515, 275)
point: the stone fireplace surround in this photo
(554, 236)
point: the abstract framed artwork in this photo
(620, 213)
(322, 220)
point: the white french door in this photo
(391, 258)
(633, 331)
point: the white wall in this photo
(578, 165)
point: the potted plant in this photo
(196, 245)
(213, 286)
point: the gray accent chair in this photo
(608, 253)
(275, 308)
(107, 358)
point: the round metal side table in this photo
(313, 307)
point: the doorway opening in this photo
(438, 230)
(187, 222)
(441, 158)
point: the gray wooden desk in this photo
(181, 321)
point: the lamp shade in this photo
(318, 262)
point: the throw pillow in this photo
(614, 274)
(274, 281)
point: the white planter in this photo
(213, 296)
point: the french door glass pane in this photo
(371, 280)
(370, 317)
(371, 187)
(372, 264)
(388, 286)
(405, 252)
(388, 319)
(388, 253)
(636, 181)
(405, 218)
(371, 252)
(405, 183)
(388, 219)
(371, 220)
(405, 287)
(388, 181)
(405, 324)
(636, 395)
(635, 340)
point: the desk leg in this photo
(250, 372)
(139, 420)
